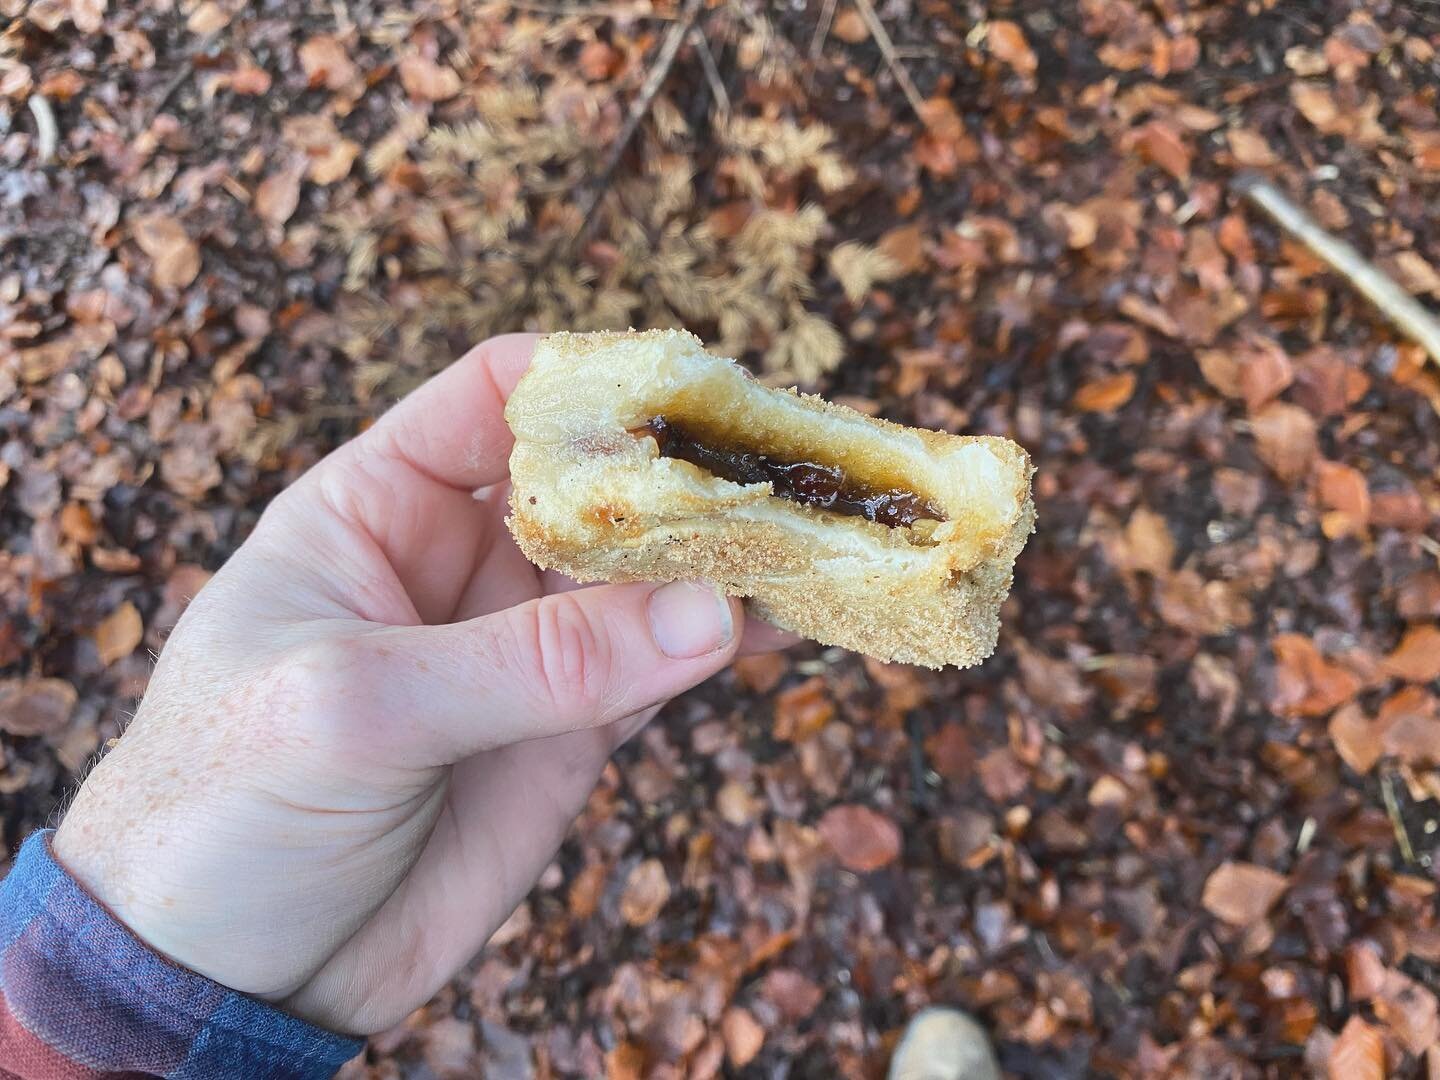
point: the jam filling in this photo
(825, 487)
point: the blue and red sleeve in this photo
(82, 998)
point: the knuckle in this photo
(571, 656)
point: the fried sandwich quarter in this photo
(641, 457)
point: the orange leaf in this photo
(426, 80)
(1358, 1054)
(1160, 144)
(1105, 394)
(1307, 684)
(1241, 893)
(1285, 439)
(119, 633)
(743, 1035)
(1417, 658)
(861, 839)
(1007, 42)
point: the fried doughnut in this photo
(641, 457)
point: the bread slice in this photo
(594, 498)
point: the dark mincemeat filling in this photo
(825, 487)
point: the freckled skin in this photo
(370, 731)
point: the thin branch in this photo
(593, 11)
(1407, 314)
(887, 50)
(712, 71)
(664, 61)
(822, 29)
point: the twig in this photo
(47, 132)
(664, 61)
(887, 50)
(712, 71)
(822, 29)
(1403, 310)
(594, 11)
(1392, 811)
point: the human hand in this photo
(370, 731)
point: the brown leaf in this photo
(1357, 738)
(1358, 1054)
(250, 81)
(1160, 144)
(426, 80)
(1148, 543)
(1307, 684)
(905, 246)
(334, 162)
(1106, 394)
(1410, 1011)
(861, 839)
(1250, 148)
(174, 257)
(1285, 437)
(1007, 42)
(1264, 372)
(1241, 893)
(279, 194)
(35, 706)
(325, 62)
(1417, 658)
(1343, 491)
(802, 711)
(119, 633)
(743, 1034)
(950, 752)
(1316, 104)
(792, 993)
(647, 890)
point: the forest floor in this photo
(1183, 823)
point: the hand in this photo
(370, 731)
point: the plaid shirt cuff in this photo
(82, 997)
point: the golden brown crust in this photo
(597, 502)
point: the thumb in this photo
(563, 662)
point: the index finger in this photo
(452, 429)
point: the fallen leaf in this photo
(1241, 893)
(1306, 683)
(174, 257)
(647, 890)
(119, 633)
(1410, 1011)
(1358, 1054)
(334, 162)
(861, 839)
(1418, 275)
(1106, 394)
(326, 63)
(1343, 491)
(279, 194)
(1285, 437)
(802, 711)
(1417, 658)
(1159, 143)
(426, 80)
(1250, 148)
(1357, 738)
(35, 706)
(250, 80)
(743, 1034)
(1264, 372)
(1149, 544)
(792, 993)
(1006, 41)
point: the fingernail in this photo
(689, 620)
